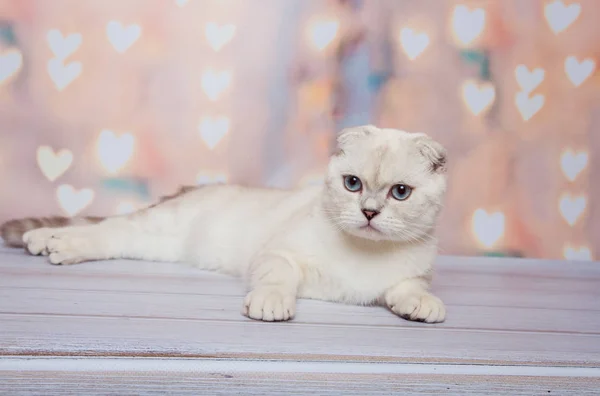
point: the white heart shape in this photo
(413, 43)
(205, 179)
(579, 72)
(72, 201)
(559, 16)
(478, 97)
(488, 228)
(215, 83)
(10, 63)
(122, 37)
(63, 75)
(571, 208)
(212, 130)
(529, 80)
(217, 36)
(322, 33)
(114, 151)
(572, 164)
(53, 165)
(467, 24)
(529, 106)
(61, 46)
(577, 254)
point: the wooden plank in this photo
(446, 276)
(218, 307)
(108, 336)
(520, 267)
(455, 289)
(135, 383)
(201, 376)
(504, 270)
(206, 283)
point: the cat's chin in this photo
(370, 233)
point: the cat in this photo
(366, 236)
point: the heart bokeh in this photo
(108, 105)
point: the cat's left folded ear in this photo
(433, 151)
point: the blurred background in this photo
(107, 104)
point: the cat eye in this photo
(352, 183)
(400, 192)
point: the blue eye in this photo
(401, 192)
(352, 183)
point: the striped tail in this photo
(12, 231)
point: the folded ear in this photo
(348, 135)
(433, 151)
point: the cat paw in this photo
(269, 305)
(36, 241)
(66, 248)
(62, 246)
(420, 308)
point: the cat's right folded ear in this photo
(348, 135)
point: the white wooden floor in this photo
(514, 327)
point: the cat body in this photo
(364, 237)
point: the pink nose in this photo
(370, 213)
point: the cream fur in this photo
(305, 243)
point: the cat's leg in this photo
(273, 281)
(411, 300)
(147, 235)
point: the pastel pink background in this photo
(146, 95)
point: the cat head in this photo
(385, 184)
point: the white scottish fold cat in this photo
(365, 237)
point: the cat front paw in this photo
(67, 248)
(420, 308)
(63, 246)
(36, 241)
(269, 304)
